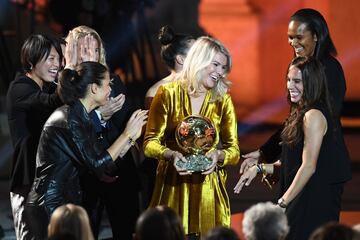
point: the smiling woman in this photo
(313, 166)
(295, 84)
(30, 101)
(199, 89)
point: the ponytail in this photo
(74, 83)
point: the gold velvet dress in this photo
(200, 200)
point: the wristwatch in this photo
(281, 203)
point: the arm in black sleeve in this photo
(335, 82)
(271, 149)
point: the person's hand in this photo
(134, 125)
(250, 160)
(88, 50)
(246, 178)
(215, 156)
(175, 157)
(112, 106)
(71, 52)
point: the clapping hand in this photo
(112, 106)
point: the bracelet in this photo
(130, 140)
(281, 203)
(258, 169)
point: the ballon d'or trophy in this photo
(195, 135)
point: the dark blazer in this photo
(67, 146)
(28, 108)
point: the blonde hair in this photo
(70, 219)
(82, 31)
(200, 56)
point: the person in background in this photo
(173, 53)
(310, 190)
(334, 231)
(201, 88)
(221, 233)
(174, 48)
(69, 222)
(159, 223)
(109, 121)
(265, 221)
(29, 103)
(68, 145)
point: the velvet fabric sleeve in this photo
(156, 126)
(228, 133)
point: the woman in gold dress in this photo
(200, 199)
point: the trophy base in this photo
(195, 163)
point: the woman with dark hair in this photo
(29, 102)
(173, 52)
(68, 145)
(311, 155)
(308, 35)
(161, 223)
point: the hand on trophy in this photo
(176, 156)
(216, 156)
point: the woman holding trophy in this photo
(193, 108)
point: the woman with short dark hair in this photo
(29, 102)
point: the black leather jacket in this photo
(67, 147)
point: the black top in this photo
(28, 107)
(337, 88)
(320, 199)
(333, 164)
(68, 145)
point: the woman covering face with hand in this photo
(201, 89)
(109, 120)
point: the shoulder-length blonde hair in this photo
(72, 220)
(200, 56)
(82, 31)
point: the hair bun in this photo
(166, 35)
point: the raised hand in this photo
(71, 52)
(134, 125)
(89, 49)
(112, 106)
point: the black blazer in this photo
(28, 107)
